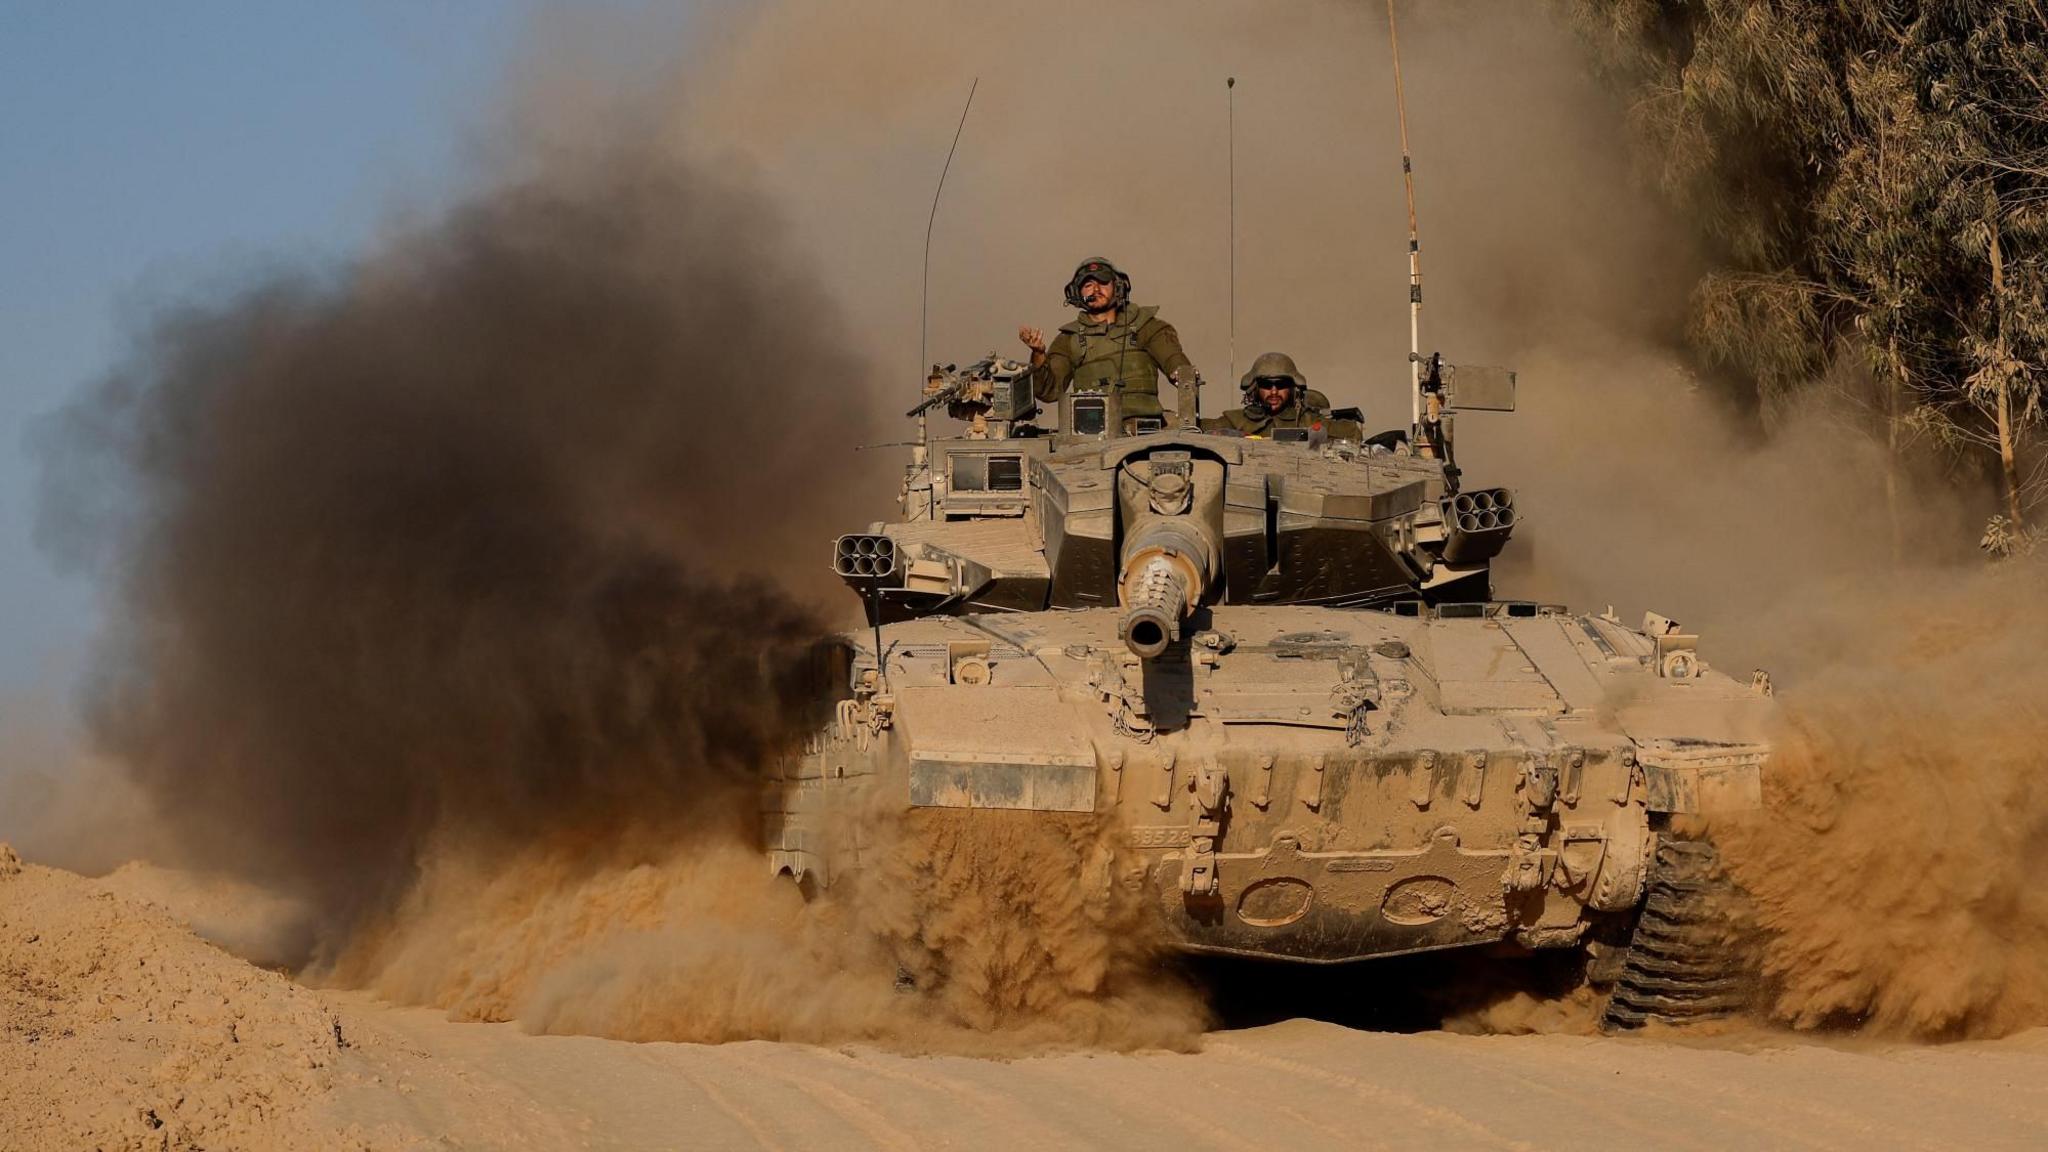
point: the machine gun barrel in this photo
(944, 395)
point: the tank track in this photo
(1684, 963)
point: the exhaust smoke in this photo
(465, 538)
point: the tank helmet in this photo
(1273, 366)
(1102, 272)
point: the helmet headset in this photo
(1101, 272)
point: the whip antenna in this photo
(924, 307)
(1230, 112)
(1414, 244)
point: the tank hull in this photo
(1298, 783)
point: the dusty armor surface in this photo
(1277, 665)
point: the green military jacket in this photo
(1132, 352)
(1311, 411)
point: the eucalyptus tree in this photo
(1871, 177)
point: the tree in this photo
(1872, 179)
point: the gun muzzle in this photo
(1162, 583)
(1155, 602)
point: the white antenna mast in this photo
(1414, 251)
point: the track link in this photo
(1684, 962)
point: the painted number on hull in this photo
(1159, 837)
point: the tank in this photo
(1280, 668)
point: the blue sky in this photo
(149, 150)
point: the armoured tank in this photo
(1280, 668)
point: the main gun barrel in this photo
(1154, 606)
(1166, 568)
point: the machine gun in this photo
(990, 389)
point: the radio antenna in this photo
(924, 308)
(1414, 244)
(1230, 112)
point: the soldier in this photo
(1277, 395)
(1112, 343)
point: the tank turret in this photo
(1012, 516)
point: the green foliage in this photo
(1872, 177)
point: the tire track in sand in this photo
(1026, 1127)
(1433, 1117)
(724, 1103)
(1576, 1100)
(878, 1128)
(1732, 1103)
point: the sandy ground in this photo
(1299, 1084)
(120, 1029)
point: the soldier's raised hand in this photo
(1033, 338)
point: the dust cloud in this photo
(1651, 491)
(997, 933)
(1101, 129)
(1896, 864)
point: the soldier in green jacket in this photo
(1112, 343)
(1277, 395)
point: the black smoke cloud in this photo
(470, 535)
